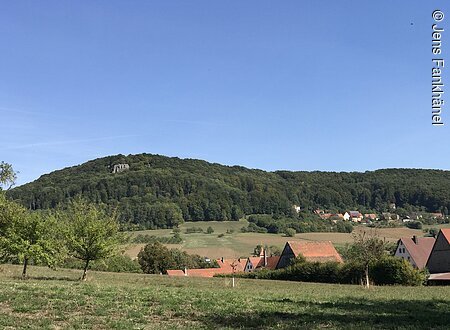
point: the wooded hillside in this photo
(158, 191)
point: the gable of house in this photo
(416, 250)
(252, 263)
(286, 256)
(311, 251)
(439, 259)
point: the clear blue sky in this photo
(298, 85)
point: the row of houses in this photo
(354, 216)
(428, 252)
(311, 251)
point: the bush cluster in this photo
(192, 230)
(387, 271)
(155, 258)
(140, 238)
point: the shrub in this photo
(209, 230)
(192, 230)
(392, 270)
(156, 258)
(289, 232)
(414, 225)
(140, 238)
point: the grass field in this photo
(242, 244)
(57, 300)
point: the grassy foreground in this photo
(57, 300)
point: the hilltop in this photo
(154, 191)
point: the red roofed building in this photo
(439, 259)
(371, 216)
(261, 261)
(325, 216)
(416, 250)
(311, 251)
(175, 272)
(226, 266)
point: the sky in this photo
(296, 85)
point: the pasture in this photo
(57, 300)
(240, 244)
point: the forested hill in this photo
(157, 191)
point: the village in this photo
(422, 253)
(392, 217)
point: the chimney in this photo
(265, 258)
(414, 238)
(222, 259)
(185, 271)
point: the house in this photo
(175, 272)
(355, 216)
(439, 259)
(336, 217)
(370, 216)
(437, 215)
(325, 216)
(346, 216)
(226, 266)
(390, 216)
(296, 208)
(261, 261)
(415, 216)
(311, 251)
(415, 250)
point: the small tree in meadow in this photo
(155, 258)
(209, 230)
(10, 213)
(366, 249)
(91, 232)
(33, 236)
(289, 232)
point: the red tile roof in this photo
(272, 262)
(207, 272)
(256, 261)
(315, 251)
(419, 250)
(175, 272)
(446, 233)
(226, 264)
(225, 267)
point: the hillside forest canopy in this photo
(154, 191)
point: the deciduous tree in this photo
(7, 175)
(366, 249)
(91, 232)
(33, 236)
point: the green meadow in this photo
(58, 300)
(238, 244)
